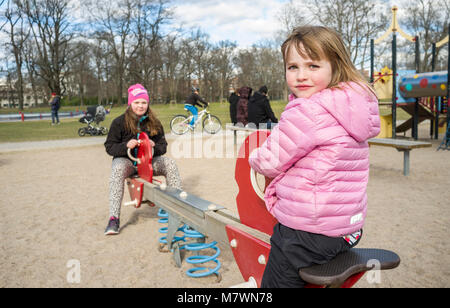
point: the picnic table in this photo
(401, 145)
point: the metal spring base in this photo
(179, 243)
(164, 218)
(201, 271)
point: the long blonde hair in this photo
(322, 42)
(152, 123)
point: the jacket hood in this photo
(245, 92)
(352, 105)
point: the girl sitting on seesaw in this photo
(318, 156)
(123, 135)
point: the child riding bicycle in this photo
(191, 102)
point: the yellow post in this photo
(385, 126)
(442, 129)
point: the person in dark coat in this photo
(259, 110)
(242, 113)
(233, 99)
(55, 103)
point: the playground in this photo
(46, 224)
(55, 202)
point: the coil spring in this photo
(164, 218)
(201, 271)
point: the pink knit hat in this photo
(135, 92)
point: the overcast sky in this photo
(243, 21)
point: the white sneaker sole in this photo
(111, 232)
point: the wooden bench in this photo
(401, 145)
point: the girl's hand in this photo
(132, 143)
(152, 144)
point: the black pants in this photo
(294, 249)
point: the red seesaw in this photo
(144, 169)
(248, 235)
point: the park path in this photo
(7, 147)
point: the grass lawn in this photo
(43, 130)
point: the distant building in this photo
(9, 98)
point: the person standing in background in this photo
(259, 110)
(55, 103)
(233, 99)
(242, 112)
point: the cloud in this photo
(244, 21)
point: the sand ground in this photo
(54, 208)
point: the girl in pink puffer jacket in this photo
(318, 156)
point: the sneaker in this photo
(191, 127)
(113, 226)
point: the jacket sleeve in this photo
(199, 98)
(114, 144)
(160, 147)
(293, 138)
(269, 111)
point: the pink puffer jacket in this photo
(318, 156)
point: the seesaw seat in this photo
(355, 261)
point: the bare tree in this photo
(262, 65)
(148, 18)
(170, 56)
(223, 60)
(186, 61)
(18, 34)
(29, 55)
(357, 21)
(113, 22)
(79, 68)
(2, 23)
(52, 33)
(429, 20)
(246, 65)
(201, 47)
(131, 28)
(100, 52)
(290, 16)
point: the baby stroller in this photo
(94, 114)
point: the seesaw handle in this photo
(137, 160)
(133, 203)
(255, 185)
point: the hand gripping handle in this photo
(137, 160)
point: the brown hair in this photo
(152, 123)
(319, 43)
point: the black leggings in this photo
(294, 249)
